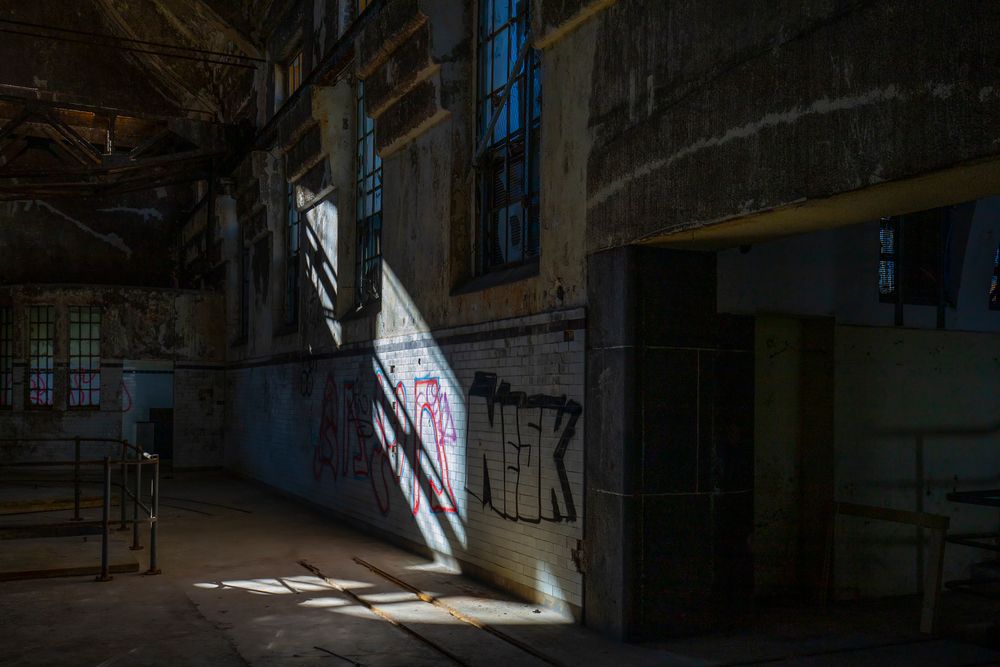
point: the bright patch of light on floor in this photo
(441, 563)
(497, 612)
(323, 603)
(291, 585)
(493, 612)
(307, 582)
(378, 599)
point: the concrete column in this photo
(669, 451)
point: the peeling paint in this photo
(147, 214)
(111, 239)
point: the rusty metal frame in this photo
(128, 456)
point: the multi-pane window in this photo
(994, 286)
(887, 258)
(41, 344)
(292, 260)
(913, 259)
(508, 136)
(293, 74)
(369, 207)
(84, 356)
(6, 357)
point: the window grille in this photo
(508, 122)
(84, 356)
(369, 208)
(41, 342)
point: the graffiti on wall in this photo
(400, 436)
(518, 480)
(365, 436)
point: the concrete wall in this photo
(916, 418)
(464, 441)
(777, 486)
(783, 107)
(913, 412)
(177, 327)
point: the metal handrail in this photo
(75, 439)
(140, 459)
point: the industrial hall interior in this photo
(499, 333)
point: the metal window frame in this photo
(368, 207)
(86, 394)
(502, 156)
(6, 357)
(41, 365)
(889, 259)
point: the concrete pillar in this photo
(669, 450)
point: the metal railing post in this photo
(135, 500)
(76, 479)
(106, 524)
(154, 505)
(124, 485)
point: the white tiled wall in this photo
(346, 431)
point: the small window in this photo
(292, 260)
(41, 347)
(84, 357)
(887, 258)
(6, 357)
(244, 283)
(913, 257)
(293, 74)
(994, 287)
(508, 136)
(369, 208)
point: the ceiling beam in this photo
(159, 52)
(13, 124)
(74, 138)
(39, 97)
(175, 159)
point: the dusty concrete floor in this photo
(233, 593)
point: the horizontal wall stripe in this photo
(422, 342)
